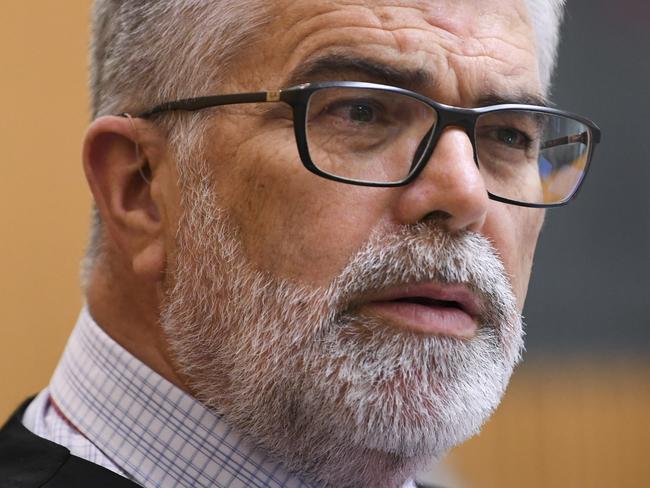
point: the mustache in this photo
(427, 252)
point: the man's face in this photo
(293, 322)
(302, 227)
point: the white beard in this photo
(341, 399)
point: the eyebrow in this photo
(333, 65)
(494, 98)
(349, 67)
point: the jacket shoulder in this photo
(29, 461)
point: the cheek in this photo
(514, 232)
(293, 223)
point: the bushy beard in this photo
(340, 398)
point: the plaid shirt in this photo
(109, 408)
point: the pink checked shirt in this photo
(109, 408)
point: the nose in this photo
(450, 186)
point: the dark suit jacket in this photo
(29, 461)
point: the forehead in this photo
(467, 47)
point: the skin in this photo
(292, 223)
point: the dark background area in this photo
(590, 290)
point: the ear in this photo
(120, 158)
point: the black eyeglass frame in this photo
(298, 98)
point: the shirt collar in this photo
(155, 432)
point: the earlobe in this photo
(150, 262)
(120, 168)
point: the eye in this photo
(356, 111)
(512, 137)
(361, 113)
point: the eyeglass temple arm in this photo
(192, 104)
(583, 138)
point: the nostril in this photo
(437, 216)
(449, 186)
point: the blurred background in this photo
(577, 411)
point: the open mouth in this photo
(430, 302)
(430, 309)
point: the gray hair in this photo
(546, 17)
(147, 52)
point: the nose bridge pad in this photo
(431, 138)
(419, 152)
(467, 125)
(464, 124)
(462, 120)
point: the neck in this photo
(348, 467)
(126, 308)
(371, 470)
(310, 448)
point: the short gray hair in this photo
(546, 17)
(146, 52)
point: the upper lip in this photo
(459, 295)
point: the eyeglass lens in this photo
(379, 136)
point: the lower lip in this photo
(425, 319)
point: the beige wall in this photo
(582, 424)
(43, 198)
(570, 426)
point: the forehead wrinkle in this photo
(458, 32)
(376, 37)
(500, 77)
(304, 46)
(394, 34)
(472, 41)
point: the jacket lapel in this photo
(27, 460)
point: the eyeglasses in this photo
(383, 136)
